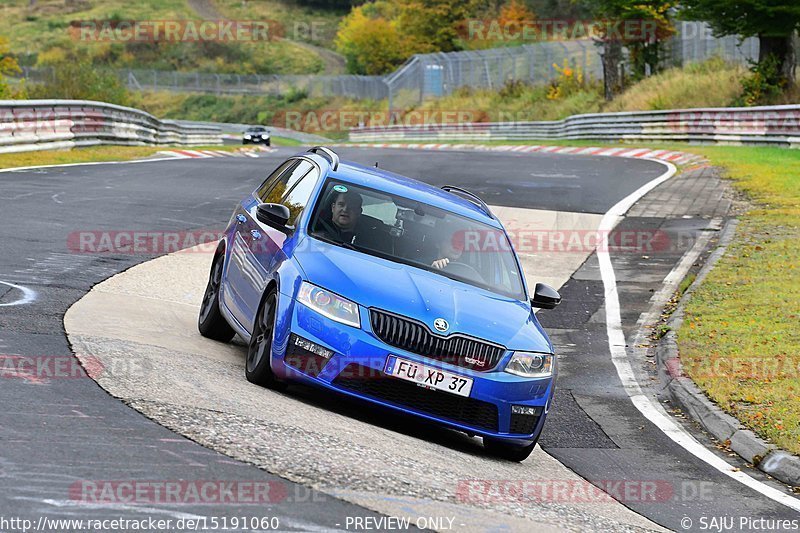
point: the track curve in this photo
(200, 194)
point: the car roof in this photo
(389, 182)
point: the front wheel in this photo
(508, 450)
(211, 323)
(259, 352)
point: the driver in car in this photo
(345, 214)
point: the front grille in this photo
(415, 337)
(376, 384)
(523, 424)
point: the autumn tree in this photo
(369, 41)
(378, 36)
(652, 26)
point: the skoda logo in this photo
(441, 324)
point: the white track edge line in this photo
(91, 163)
(619, 356)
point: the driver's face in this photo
(345, 212)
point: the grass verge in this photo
(740, 341)
(95, 154)
(285, 141)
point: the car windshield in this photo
(257, 130)
(410, 232)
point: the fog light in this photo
(312, 347)
(525, 410)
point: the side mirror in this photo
(275, 215)
(545, 297)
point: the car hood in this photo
(422, 295)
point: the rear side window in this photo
(263, 191)
(286, 181)
(296, 199)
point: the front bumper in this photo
(256, 140)
(356, 369)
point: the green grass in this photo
(712, 83)
(40, 35)
(92, 154)
(284, 141)
(77, 155)
(296, 19)
(740, 341)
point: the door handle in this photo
(255, 234)
(241, 219)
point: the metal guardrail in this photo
(28, 125)
(767, 125)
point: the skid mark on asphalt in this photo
(56, 265)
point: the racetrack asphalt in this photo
(80, 433)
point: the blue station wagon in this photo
(389, 290)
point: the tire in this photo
(268, 143)
(506, 450)
(257, 367)
(211, 323)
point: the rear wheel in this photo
(259, 352)
(211, 323)
(508, 450)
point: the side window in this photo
(263, 191)
(297, 198)
(287, 181)
(384, 209)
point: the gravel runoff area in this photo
(140, 326)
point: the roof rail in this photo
(469, 196)
(328, 153)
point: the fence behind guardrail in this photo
(767, 125)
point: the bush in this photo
(80, 80)
(764, 85)
(568, 82)
(9, 67)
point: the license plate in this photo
(428, 376)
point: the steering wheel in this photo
(464, 270)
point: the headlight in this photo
(246, 136)
(531, 365)
(265, 136)
(328, 304)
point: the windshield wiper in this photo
(337, 242)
